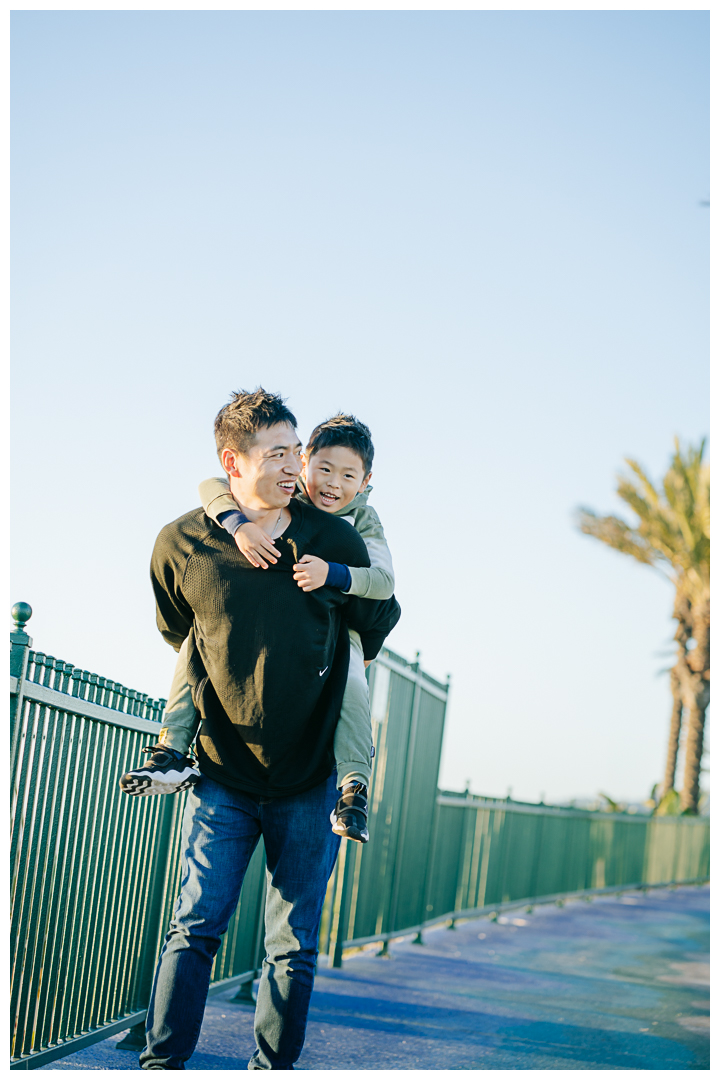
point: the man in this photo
(267, 664)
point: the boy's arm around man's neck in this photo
(378, 581)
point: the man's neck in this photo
(266, 517)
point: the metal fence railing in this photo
(380, 887)
(95, 874)
(489, 853)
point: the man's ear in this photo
(230, 461)
(365, 483)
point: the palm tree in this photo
(673, 536)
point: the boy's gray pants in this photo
(353, 735)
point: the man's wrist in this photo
(231, 520)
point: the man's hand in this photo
(256, 545)
(310, 573)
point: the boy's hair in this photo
(238, 422)
(344, 430)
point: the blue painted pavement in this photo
(619, 983)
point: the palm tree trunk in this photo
(674, 737)
(682, 613)
(696, 698)
(693, 755)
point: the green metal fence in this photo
(488, 854)
(378, 888)
(95, 874)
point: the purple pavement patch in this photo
(619, 983)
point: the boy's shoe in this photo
(166, 772)
(349, 818)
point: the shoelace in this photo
(173, 755)
(355, 788)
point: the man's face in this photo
(264, 478)
(333, 477)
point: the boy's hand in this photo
(256, 545)
(310, 573)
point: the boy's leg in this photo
(353, 734)
(168, 769)
(180, 719)
(353, 749)
(221, 828)
(301, 851)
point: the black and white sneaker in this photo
(349, 818)
(166, 772)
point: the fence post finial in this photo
(21, 613)
(20, 644)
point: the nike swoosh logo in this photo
(323, 671)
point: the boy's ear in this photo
(365, 483)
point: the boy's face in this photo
(333, 477)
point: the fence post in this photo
(429, 869)
(345, 870)
(430, 865)
(163, 854)
(20, 644)
(402, 822)
(163, 858)
(245, 993)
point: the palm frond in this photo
(651, 495)
(617, 534)
(672, 532)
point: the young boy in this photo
(337, 470)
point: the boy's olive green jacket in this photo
(374, 582)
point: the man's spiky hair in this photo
(344, 430)
(238, 422)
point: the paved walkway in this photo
(619, 983)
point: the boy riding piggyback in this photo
(337, 469)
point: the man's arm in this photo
(167, 566)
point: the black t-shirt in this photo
(267, 662)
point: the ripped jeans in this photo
(221, 829)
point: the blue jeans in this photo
(221, 829)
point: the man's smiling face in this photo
(333, 477)
(264, 478)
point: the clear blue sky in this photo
(479, 231)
